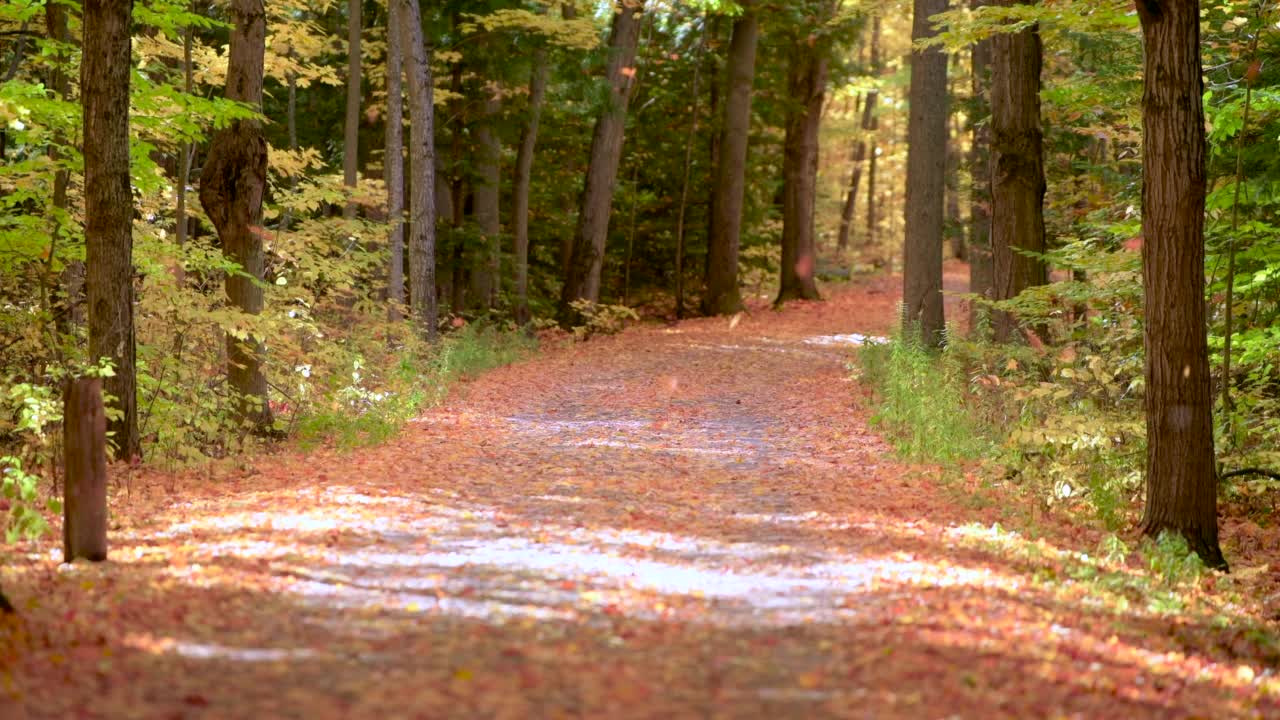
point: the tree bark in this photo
(587, 256)
(1017, 170)
(954, 225)
(872, 206)
(524, 180)
(980, 263)
(351, 124)
(1182, 481)
(682, 213)
(722, 296)
(69, 311)
(485, 272)
(84, 430)
(393, 163)
(186, 152)
(859, 155)
(806, 90)
(108, 230)
(232, 183)
(926, 181)
(422, 209)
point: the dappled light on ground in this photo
(689, 523)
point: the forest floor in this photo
(691, 521)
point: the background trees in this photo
(574, 167)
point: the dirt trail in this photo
(676, 522)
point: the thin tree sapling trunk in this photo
(351, 123)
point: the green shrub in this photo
(922, 402)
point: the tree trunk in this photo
(485, 272)
(393, 163)
(681, 214)
(84, 431)
(722, 296)
(68, 312)
(1017, 170)
(587, 257)
(872, 206)
(108, 230)
(926, 181)
(980, 264)
(953, 223)
(186, 154)
(422, 208)
(231, 188)
(806, 90)
(1182, 481)
(713, 135)
(859, 155)
(524, 179)
(351, 125)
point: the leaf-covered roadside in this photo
(687, 521)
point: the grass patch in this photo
(922, 402)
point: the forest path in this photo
(675, 522)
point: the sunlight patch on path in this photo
(853, 339)
(468, 561)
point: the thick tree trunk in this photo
(859, 155)
(1017, 170)
(722, 296)
(980, 263)
(108, 230)
(351, 124)
(231, 188)
(806, 89)
(485, 272)
(926, 181)
(393, 163)
(422, 208)
(587, 257)
(1182, 481)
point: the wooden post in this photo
(84, 529)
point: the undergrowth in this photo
(367, 410)
(922, 402)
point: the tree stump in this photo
(84, 529)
